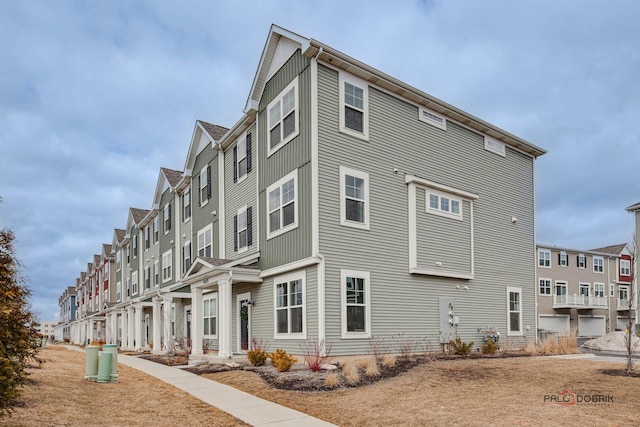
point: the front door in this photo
(244, 321)
(187, 315)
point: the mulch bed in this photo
(167, 360)
(620, 373)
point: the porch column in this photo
(157, 324)
(196, 321)
(90, 335)
(107, 327)
(166, 325)
(125, 329)
(225, 349)
(138, 327)
(131, 328)
(114, 327)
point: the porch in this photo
(579, 301)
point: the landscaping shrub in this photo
(351, 372)
(407, 345)
(370, 366)
(332, 380)
(282, 361)
(460, 347)
(389, 360)
(315, 354)
(379, 348)
(489, 347)
(257, 354)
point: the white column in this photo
(125, 329)
(107, 327)
(157, 324)
(196, 321)
(138, 328)
(225, 318)
(131, 328)
(114, 327)
(90, 329)
(166, 325)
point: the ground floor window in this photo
(210, 315)
(290, 305)
(356, 304)
(514, 306)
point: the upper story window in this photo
(186, 257)
(118, 260)
(135, 245)
(444, 204)
(128, 252)
(204, 185)
(147, 277)
(354, 108)
(563, 259)
(156, 273)
(205, 246)
(598, 264)
(598, 290)
(354, 198)
(166, 265)
(625, 267)
(282, 117)
(243, 229)
(545, 287)
(147, 237)
(584, 289)
(582, 261)
(118, 291)
(282, 205)
(156, 229)
(134, 283)
(242, 163)
(544, 258)
(166, 218)
(186, 205)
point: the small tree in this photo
(629, 342)
(18, 336)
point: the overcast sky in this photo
(96, 96)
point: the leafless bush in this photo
(379, 348)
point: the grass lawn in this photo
(58, 395)
(496, 392)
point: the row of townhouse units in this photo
(343, 206)
(68, 309)
(584, 293)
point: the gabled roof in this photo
(167, 179)
(281, 44)
(612, 250)
(634, 207)
(119, 235)
(173, 176)
(203, 133)
(89, 267)
(83, 276)
(138, 214)
(96, 260)
(106, 250)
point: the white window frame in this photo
(147, 238)
(118, 260)
(156, 229)
(598, 290)
(202, 241)
(288, 278)
(203, 186)
(185, 267)
(186, 205)
(167, 266)
(156, 273)
(166, 218)
(134, 245)
(296, 200)
(344, 172)
(548, 286)
(625, 269)
(542, 261)
(511, 290)
(584, 285)
(213, 296)
(612, 290)
(598, 264)
(582, 261)
(443, 209)
(118, 291)
(134, 283)
(147, 277)
(495, 146)
(564, 259)
(344, 274)
(240, 156)
(296, 111)
(242, 211)
(128, 287)
(359, 83)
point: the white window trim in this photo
(118, 260)
(584, 285)
(187, 242)
(343, 303)
(584, 261)
(156, 270)
(495, 146)
(207, 229)
(296, 132)
(156, 229)
(550, 287)
(134, 283)
(296, 200)
(239, 157)
(612, 290)
(169, 256)
(211, 296)
(203, 179)
(184, 206)
(344, 171)
(348, 78)
(118, 291)
(166, 213)
(602, 287)
(509, 331)
(566, 259)
(628, 267)
(439, 211)
(594, 264)
(546, 251)
(298, 275)
(237, 236)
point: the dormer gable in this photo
(205, 135)
(168, 179)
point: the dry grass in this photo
(58, 395)
(351, 371)
(389, 360)
(497, 392)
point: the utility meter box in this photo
(448, 320)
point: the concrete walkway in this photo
(245, 406)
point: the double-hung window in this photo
(354, 198)
(204, 185)
(514, 305)
(134, 283)
(210, 314)
(243, 229)
(354, 114)
(625, 267)
(598, 264)
(147, 277)
(166, 218)
(282, 205)
(598, 290)
(156, 229)
(128, 287)
(582, 261)
(156, 273)
(186, 257)
(282, 117)
(147, 237)
(166, 265)
(242, 158)
(128, 252)
(544, 258)
(290, 310)
(356, 304)
(135, 245)
(118, 260)
(186, 205)
(118, 291)
(204, 242)
(545, 287)
(563, 259)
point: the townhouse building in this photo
(583, 292)
(68, 309)
(344, 205)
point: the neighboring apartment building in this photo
(343, 205)
(47, 328)
(68, 309)
(583, 292)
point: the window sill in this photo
(355, 335)
(302, 336)
(242, 178)
(353, 224)
(281, 144)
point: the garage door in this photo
(559, 324)
(591, 326)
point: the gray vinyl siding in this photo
(166, 240)
(239, 194)
(401, 302)
(296, 154)
(203, 216)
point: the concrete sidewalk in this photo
(245, 406)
